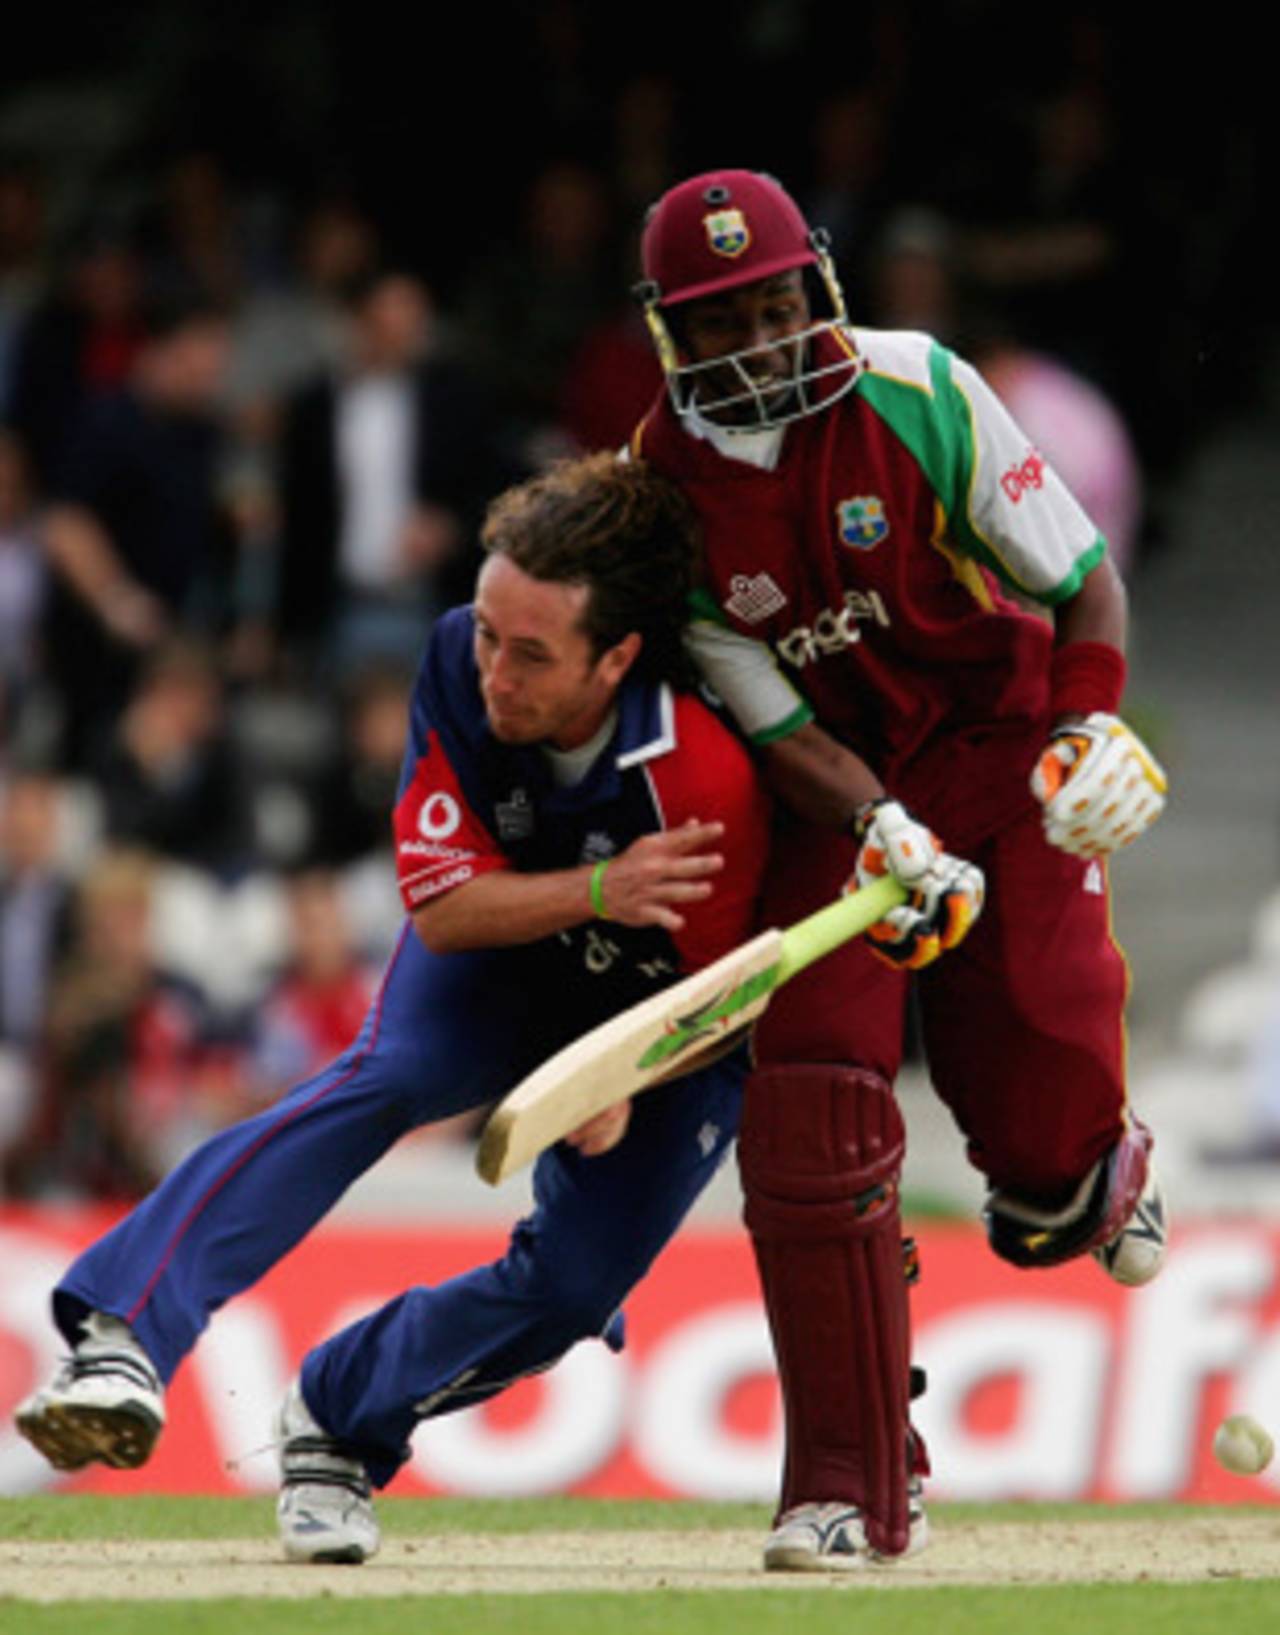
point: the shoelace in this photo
(315, 1460)
(79, 1366)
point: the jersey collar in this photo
(762, 448)
(646, 724)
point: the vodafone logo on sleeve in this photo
(439, 840)
(439, 816)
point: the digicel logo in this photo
(1019, 478)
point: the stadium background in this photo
(1097, 193)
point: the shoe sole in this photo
(345, 1555)
(71, 1437)
(785, 1558)
(788, 1559)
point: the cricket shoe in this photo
(1137, 1251)
(325, 1511)
(105, 1404)
(831, 1538)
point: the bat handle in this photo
(840, 921)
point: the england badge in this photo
(727, 232)
(862, 522)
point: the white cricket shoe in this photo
(325, 1510)
(105, 1404)
(831, 1538)
(1137, 1251)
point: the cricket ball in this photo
(1241, 1445)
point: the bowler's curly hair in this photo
(617, 527)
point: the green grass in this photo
(159, 1516)
(801, 1608)
(1109, 1609)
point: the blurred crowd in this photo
(248, 431)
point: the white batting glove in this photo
(946, 892)
(894, 843)
(1099, 785)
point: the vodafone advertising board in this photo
(1041, 1386)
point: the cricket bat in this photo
(670, 1034)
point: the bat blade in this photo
(667, 1035)
(672, 1032)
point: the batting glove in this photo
(946, 892)
(893, 843)
(1099, 785)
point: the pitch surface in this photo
(1175, 1549)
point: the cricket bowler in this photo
(575, 829)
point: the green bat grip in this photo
(848, 917)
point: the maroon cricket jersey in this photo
(878, 557)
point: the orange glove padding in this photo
(946, 892)
(1099, 785)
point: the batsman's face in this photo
(749, 335)
(540, 678)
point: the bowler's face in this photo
(539, 677)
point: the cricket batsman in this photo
(876, 528)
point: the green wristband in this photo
(597, 888)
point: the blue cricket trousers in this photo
(444, 1034)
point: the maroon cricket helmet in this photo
(722, 229)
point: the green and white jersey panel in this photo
(1005, 506)
(744, 674)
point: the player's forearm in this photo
(505, 909)
(1099, 612)
(659, 877)
(818, 778)
(1087, 672)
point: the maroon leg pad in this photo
(820, 1154)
